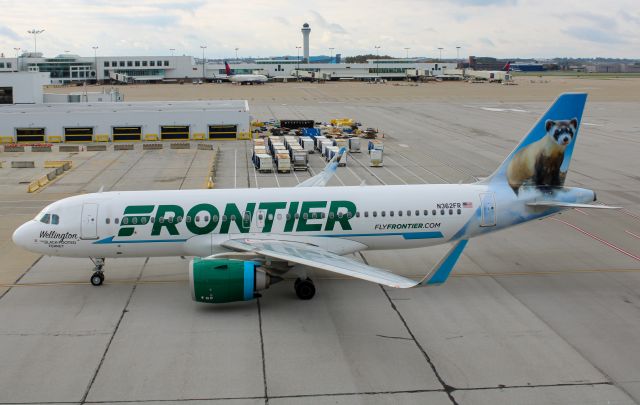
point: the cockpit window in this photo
(45, 218)
(55, 220)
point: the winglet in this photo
(441, 271)
(322, 178)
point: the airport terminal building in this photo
(68, 68)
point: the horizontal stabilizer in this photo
(561, 204)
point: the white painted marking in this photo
(494, 109)
(404, 145)
(591, 125)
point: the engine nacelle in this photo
(226, 280)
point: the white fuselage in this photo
(196, 222)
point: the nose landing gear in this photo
(97, 278)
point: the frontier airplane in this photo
(243, 240)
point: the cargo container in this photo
(311, 132)
(318, 142)
(354, 145)
(283, 162)
(341, 142)
(375, 157)
(263, 162)
(307, 144)
(300, 160)
(330, 151)
(325, 145)
(376, 144)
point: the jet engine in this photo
(227, 280)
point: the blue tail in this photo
(542, 158)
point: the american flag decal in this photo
(467, 204)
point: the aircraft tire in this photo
(97, 279)
(305, 289)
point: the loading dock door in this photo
(78, 134)
(29, 134)
(223, 131)
(171, 132)
(127, 134)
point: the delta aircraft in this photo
(242, 79)
(243, 240)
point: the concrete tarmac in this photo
(548, 312)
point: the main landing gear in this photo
(97, 278)
(305, 290)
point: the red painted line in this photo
(633, 234)
(580, 211)
(611, 245)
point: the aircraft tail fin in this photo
(227, 69)
(541, 159)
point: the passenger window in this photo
(215, 218)
(417, 213)
(125, 221)
(188, 219)
(450, 211)
(459, 211)
(349, 214)
(161, 220)
(153, 219)
(206, 218)
(134, 220)
(179, 219)
(433, 212)
(340, 214)
(375, 213)
(55, 220)
(357, 214)
(233, 218)
(384, 214)
(366, 214)
(170, 220)
(270, 216)
(305, 216)
(390, 213)
(197, 218)
(408, 213)
(107, 221)
(297, 216)
(442, 212)
(288, 217)
(426, 212)
(279, 217)
(143, 220)
(331, 215)
(323, 215)
(260, 217)
(399, 213)
(116, 221)
(224, 218)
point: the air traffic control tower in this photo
(306, 30)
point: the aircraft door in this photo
(260, 217)
(488, 207)
(89, 222)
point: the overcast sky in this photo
(500, 28)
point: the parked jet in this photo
(244, 79)
(245, 239)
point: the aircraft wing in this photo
(561, 204)
(321, 179)
(316, 257)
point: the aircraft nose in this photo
(20, 236)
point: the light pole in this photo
(95, 60)
(17, 59)
(407, 49)
(35, 32)
(440, 54)
(172, 50)
(377, 60)
(203, 61)
(237, 54)
(331, 55)
(298, 68)
(458, 54)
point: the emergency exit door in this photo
(488, 208)
(89, 224)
